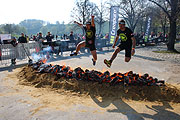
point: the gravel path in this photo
(148, 52)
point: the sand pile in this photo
(168, 92)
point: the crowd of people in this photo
(76, 38)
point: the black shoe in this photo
(73, 54)
(94, 62)
(13, 61)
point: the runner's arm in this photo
(133, 42)
(92, 21)
(133, 46)
(80, 25)
(117, 37)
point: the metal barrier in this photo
(20, 52)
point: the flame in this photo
(104, 69)
(44, 61)
(63, 63)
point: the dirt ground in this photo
(22, 98)
(26, 102)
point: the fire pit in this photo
(128, 78)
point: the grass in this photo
(165, 51)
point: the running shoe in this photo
(73, 54)
(107, 62)
(94, 62)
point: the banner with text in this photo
(147, 30)
(113, 23)
(5, 37)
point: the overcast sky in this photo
(14, 11)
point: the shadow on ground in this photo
(11, 67)
(122, 107)
(110, 94)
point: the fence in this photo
(20, 52)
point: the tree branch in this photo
(169, 2)
(169, 16)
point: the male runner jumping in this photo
(90, 39)
(128, 43)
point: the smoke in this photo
(43, 54)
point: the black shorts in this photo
(90, 46)
(127, 49)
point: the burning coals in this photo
(128, 78)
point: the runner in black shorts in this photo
(90, 39)
(127, 43)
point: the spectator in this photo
(40, 40)
(49, 37)
(27, 37)
(56, 37)
(22, 39)
(71, 36)
(14, 50)
(34, 38)
(106, 36)
(40, 37)
(0, 41)
(13, 42)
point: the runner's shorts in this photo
(91, 46)
(127, 49)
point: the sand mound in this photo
(168, 93)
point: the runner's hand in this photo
(113, 46)
(132, 51)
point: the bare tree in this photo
(159, 19)
(130, 10)
(101, 15)
(83, 11)
(172, 13)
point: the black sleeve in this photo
(84, 28)
(118, 32)
(131, 33)
(19, 39)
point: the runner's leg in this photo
(128, 54)
(80, 45)
(127, 59)
(94, 54)
(115, 54)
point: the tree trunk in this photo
(100, 28)
(172, 35)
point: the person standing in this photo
(40, 40)
(22, 39)
(14, 50)
(128, 43)
(89, 42)
(23, 46)
(49, 38)
(71, 36)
